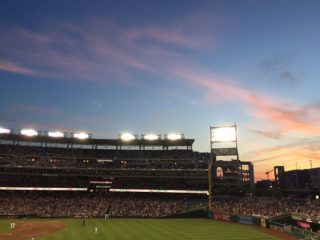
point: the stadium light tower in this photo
(223, 134)
(223, 142)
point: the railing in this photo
(298, 232)
(302, 234)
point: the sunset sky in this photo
(181, 66)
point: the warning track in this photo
(29, 229)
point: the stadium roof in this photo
(92, 141)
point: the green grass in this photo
(154, 229)
(4, 226)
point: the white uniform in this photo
(96, 230)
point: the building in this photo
(305, 180)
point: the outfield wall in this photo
(267, 223)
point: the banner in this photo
(303, 225)
(245, 220)
(222, 217)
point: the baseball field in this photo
(133, 229)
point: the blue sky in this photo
(168, 66)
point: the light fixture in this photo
(127, 137)
(29, 132)
(174, 136)
(55, 134)
(151, 137)
(81, 135)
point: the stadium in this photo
(159, 120)
(56, 185)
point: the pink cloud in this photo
(96, 48)
(170, 36)
(95, 54)
(8, 66)
(285, 116)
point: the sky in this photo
(181, 66)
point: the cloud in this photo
(270, 65)
(279, 114)
(269, 134)
(288, 116)
(286, 76)
(9, 66)
(169, 36)
(276, 69)
(94, 49)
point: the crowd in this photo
(266, 206)
(51, 205)
(41, 156)
(72, 204)
(45, 204)
(152, 206)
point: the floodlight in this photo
(151, 137)
(81, 135)
(4, 130)
(29, 132)
(174, 136)
(127, 137)
(55, 134)
(224, 134)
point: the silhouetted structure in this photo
(303, 181)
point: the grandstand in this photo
(80, 162)
(44, 161)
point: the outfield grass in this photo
(4, 226)
(154, 229)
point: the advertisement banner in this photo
(245, 220)
(222, 217)
(303, 225)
